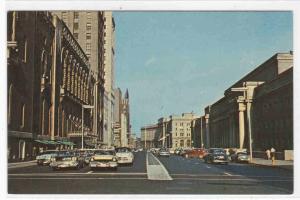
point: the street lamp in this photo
(82, 119)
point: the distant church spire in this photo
(126, 94)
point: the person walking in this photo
(273, 155)
(268, 152)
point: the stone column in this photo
(241, 124)
(207, 130)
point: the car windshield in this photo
(64, 158)
(122, 150)
(218, 151)
(102, 152)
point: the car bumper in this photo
(220, 161)
(125, 160)
(43, 162)
(103, 164)
(164, 154)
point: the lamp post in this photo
(82, 119)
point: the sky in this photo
(176, 62)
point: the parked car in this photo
(195, 153)
(104, 158)
(124, 155)
(45, 157)
(216, 155)
(177, 151)
(164, 152)
(240, 157)
(67, 160)
(87, 156)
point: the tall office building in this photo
(88, 28)
(109, 56)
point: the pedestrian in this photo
(268, 152)
(273, 153)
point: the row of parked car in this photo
(94, 158)
(212, 155)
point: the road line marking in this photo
(89, 172)
(79, 178)
(208, 167)
(227, 174)
(157, 172)
(67, 174)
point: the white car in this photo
(104, 158)
(124, 155)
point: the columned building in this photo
(261, 103)
(87, 29)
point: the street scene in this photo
(187, 176)
(107, 102)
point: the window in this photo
(88, 36)
(10, 100)
(181, 134)
(181, 143)
(23, 116)
(75, 36)
(88, 46)
(65, 16)
(88, 26)
(75, 26)
(88, 15)
(76, 15)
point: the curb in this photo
(20, 163)
(285, 167)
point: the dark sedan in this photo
(216, 155)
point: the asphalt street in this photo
(189, 176)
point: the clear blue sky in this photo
(175, 62)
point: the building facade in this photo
(180, 129)
(149, 136)
(49, 81)
(109, 58)
(261, 103)
(87, 29)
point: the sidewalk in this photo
(284, 164)
(21, 164)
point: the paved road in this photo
(189, 176)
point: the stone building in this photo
(49, 80)
(88, 30)
(180, 129)
(121, 125)
(29, 61)
(72, 88)
(117, 117)
(149, 136)
(261, 104)
(109, 65)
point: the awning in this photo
(46, 142)
(66, 143)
